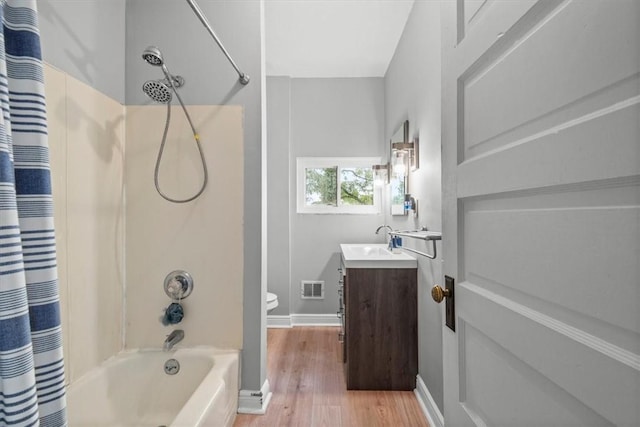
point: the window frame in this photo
(304, 163)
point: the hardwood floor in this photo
(305, 371)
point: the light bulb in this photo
(399, 169)
(399, 162)
(379, 176)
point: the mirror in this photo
(398, 185)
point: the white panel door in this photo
(541, 227)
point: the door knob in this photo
(438, 294)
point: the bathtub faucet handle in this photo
(173, 338)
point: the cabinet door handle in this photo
(340, 337)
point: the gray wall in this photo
(278, 149)
(86, 39)
(412, 91)
(330, 118)
(316, 117)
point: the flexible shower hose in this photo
(196, 137)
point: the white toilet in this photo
(272, 301)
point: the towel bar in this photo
(425, 235)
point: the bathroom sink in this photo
(368, 251)
(372, 255)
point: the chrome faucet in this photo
(381, 227)
(389, 237)
(172, 339)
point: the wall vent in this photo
(312, 289)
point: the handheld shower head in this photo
(153, 56)
(157, 91)
(162, 91)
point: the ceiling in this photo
(332, 38)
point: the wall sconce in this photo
(380, 175)
(404, 157)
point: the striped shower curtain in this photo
(32, 390)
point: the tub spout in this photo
(173, 338)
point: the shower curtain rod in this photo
(244, 79)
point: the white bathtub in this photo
(132, 389)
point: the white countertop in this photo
(374, 255)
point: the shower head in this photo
(153, 56)
(158, 91)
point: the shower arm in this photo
(244, 79)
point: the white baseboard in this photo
(315, 320)
(254, 401)
(428, 405)
(279, 321)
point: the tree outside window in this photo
(356, 186)
(321, 184)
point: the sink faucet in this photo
(388, 235)
(381, 227)
(173, 338)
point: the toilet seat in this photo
(272, 301)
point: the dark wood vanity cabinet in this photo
(381, 328)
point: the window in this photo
(337, 185)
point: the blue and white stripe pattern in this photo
(32, 389)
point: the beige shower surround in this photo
(203, 237)
(86, 141)
(100, 230)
